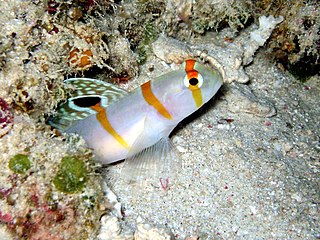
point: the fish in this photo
(136, 125)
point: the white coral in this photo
(146, 231)
(259, 36)
(111, 230)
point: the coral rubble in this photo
(31, 206)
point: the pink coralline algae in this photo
(6, 117)
(42, 219)
(5, 218)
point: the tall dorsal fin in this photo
(87, 93)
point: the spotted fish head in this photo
(186, 90)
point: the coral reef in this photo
(296, 42)
(48, 184)
(41, 44)
(185, 17)
(31, 206)
(259, 36)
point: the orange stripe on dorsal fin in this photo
(152, 100)
(103, 120)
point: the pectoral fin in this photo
(155, 166)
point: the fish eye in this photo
(195, 81)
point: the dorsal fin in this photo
(87, 93)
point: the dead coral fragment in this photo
(19, 163)
(72, 175)
(6, 117)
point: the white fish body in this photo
(144, 117)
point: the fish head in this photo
(186, 90)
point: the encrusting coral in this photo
(32, 203)
(41, 44)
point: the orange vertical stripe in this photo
(190, 65)
(192, 73)
(103, 119)
(152, 100)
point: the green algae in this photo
(71, 176)
(144, 47)
(19, 163)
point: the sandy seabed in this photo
(250, 164)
